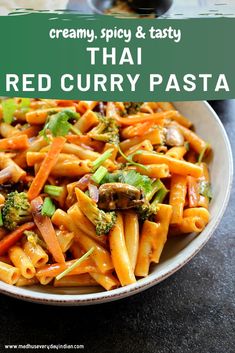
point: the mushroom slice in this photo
(174, 136)
(114, 196)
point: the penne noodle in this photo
(155, 137)
(83, 280)
(175, 166)
(144, 145)
(38, 117)
(152, 240)
(23, 282)
(22, 262)
(119, 253)
(100, 255)
(65, 239)
(8, 273)
(131, 231)
(87, 121)
(177, 152)
(154, 170)
(195, 141)
(177, 197)
(108, 281)
(36, 254)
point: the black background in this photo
(192, 311)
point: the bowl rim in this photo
(184, 256)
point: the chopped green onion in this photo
(156, 186)
(48, 207)
(130, 161)
(75, 264)
(160, 195)
(202, 154)
(9, 107)
(100, 160)
(53, 190)
(1, 221)
(99, 174)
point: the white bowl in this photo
(178, 251)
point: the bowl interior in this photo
(177, 250)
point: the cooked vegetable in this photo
(101, 159)
(99, 174)
(106, 130)
(48, 208)
(1, 221)
(58, 124)
(132, 107)
(114, 196)
(173, 136)
(9, 107)
(47, 230)
(131, 177)
(13, 237)
(103, 221)
(16, 210)
(150, 208)
(75, 264)
(46, 167)
(53, 190)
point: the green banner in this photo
(73, 56)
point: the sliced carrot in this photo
(14, 143)
(156, 117)
(47, 230)
(13, 237)
(46, 167)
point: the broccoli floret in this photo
(106, 131)
(132, 107)
(103, 221)
(146, 210)
(16, 210)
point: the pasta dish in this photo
(91, 191)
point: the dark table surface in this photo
(192, 311)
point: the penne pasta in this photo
(8, 273)
(119, 253)
(90, 191)
(36, 254)
(177, 197)
(175, 166)
(131, 231)
(83, 280)
(22, 262)
(152, 240)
